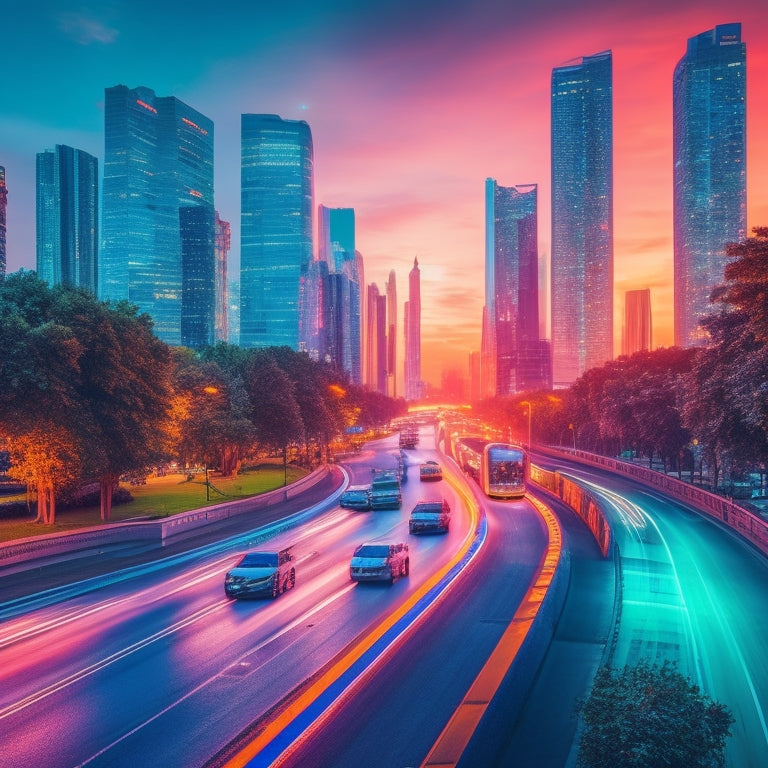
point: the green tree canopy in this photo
(647, 716)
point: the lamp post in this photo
(207, 485)
(573, 432)
(530, 409)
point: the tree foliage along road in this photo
(646, 716)
(664, 402)
(90, 394)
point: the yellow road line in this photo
(452, 742)
(308, 697)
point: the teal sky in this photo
(412, 105)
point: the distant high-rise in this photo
(222, 244)
(412, 324)
(392, 335)
(511, 233)
(637, 321)
(67, 195)
(710, 173)
(277, 189)
(338, 337)
(376, 340)
(582, 216)
(158, 159)
(198, 275)
(3, 205)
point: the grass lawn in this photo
(160, 497)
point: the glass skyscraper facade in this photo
(198, 275)
(512, 235)
(67, 222)
(158, 159)
(582, 216)
(277, 190)
(709, 156)
(333, 331)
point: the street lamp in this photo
(573, 431)
(530, 409)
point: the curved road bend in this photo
(696, 593)
(395, 717)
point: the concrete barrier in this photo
(147, 532)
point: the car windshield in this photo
(373, 550)
(424, 514)
(259, 560)
(355, 494)
(427, 509)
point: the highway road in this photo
(164, 670)
(695, 593)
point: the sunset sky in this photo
(412, 105)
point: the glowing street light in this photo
(530, 409)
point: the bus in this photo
(500, 469)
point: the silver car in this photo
(379, 562)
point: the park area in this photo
(159, 496)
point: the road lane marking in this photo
(450, 745)
(303, 716)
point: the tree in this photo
(274, 411)
(215, 428)
(649, 715)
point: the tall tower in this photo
(158, 159)
(637, 321)
(582, 216)
(277, 190)
(198, 275)
(710, 174)
(413, 335)
(339, 294)
(67, 197)
(512, 220)
(375, 339)
(392, 335)
(222, 244)
(3, 205)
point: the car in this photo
(430, 516)
(356, 497)
(430, 470)
(385, 490)
(378, 561)
(261, 574)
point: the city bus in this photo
(500, 469)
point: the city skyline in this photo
(410, 111)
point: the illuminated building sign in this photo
(145, 105)
(194, 125)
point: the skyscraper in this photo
(3, 205)
(277, 189)
(375, 340)
(222, 244)
(158, 159)
(198, 275)
(392, 335)
(637, 321)
(582, 216)
(339, 336)
(67, 204)
(413, 388)
(512, 235)
(709, 156)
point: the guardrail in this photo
(742, 521)
(579, 499)
(151, 532)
